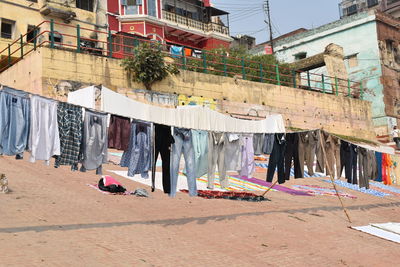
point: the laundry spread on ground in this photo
(321, 191)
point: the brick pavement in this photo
(53, 219)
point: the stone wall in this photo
(62, 71)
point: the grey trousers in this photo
(216, 156)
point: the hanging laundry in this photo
(348, 158)
(292, 155)
(183, 144)
(70, 123)
(378, 156)
(119, 132)
(216, 157)
(15, 114)
(163, 142)
(138, 156)
(367, 166)
(258, 142)
(268, 143)
(200, 145)
(188, 52)
(386, 164)
(277, 159)
(197, 53)
(332, 152)
(94, 142)
(310, 153)
(176, 51)
(233, 152)
(44, 137)
(248, 165)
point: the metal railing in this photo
(195, 24)
(210, 62)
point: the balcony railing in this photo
(195, 24)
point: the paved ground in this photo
(53, 219)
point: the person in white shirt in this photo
(396, 138)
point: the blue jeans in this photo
(14, 122)
(183, 144)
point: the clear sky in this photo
(247, 16)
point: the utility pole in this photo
(268, 12)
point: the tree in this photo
(148, 66)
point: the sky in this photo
(247, 16)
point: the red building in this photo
(189, 23)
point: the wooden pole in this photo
(269, 188)
(330, 176)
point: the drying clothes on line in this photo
(94, 142)
(348, 158)
(183, 144)
(188, 52)
(14, 121)
(70, 123)
(138, 156)
(332, 152)
(277, 159)
(248, 166)
(197, 53)
(119, 132)
(268, 143)
(367, 166)
(258, 142)
(292, 155)
(200, 145)
(189, 117)
(176, 51)
(216, 157)
(163, 142)
(44, 137)
(233, 152)
(85, 97)
(378, 156)
(386, 164)
(307, 147)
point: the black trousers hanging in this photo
(348, 159)
(277, 158)
(163, 141)
(292, 154)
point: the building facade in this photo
(351, 7)
(189, 23)
(370, 42)
(20, 17)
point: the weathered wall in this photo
(357, 35)
(389, 45)
(300, 108)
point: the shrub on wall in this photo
(148, 66)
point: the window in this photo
(31, 33)
(351, 10)
(301, 55)
(7, 27)
(372, 3)
(151, 5)
(57, 38)
(85, 4)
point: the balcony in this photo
(195, 24)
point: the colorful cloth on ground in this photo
(386, 187)
(357, 188)
(276, 187)
(321, 191)
(306, 175)
(243, 196)
(109, 180)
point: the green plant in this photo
(148, 66)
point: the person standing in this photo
(396, 138)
